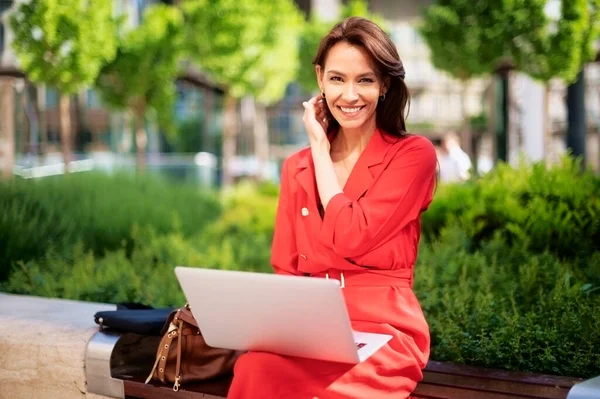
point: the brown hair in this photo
(357, 31)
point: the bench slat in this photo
(432, 391)
(517, 388)
(136, 388)
(470, 371)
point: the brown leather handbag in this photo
(183, 356)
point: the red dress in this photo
(371, 234)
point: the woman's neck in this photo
(349, 141)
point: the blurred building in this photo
(98, 131)
(436, 106)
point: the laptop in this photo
(287, 315)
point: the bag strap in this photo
(178, 364)
(163, 351)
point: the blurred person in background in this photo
(455, 164)
(349, 209)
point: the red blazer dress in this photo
(370, 234)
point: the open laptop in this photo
(286, 315)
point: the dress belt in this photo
(390, 278)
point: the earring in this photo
(382, 97)
(323, 94)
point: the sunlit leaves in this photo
(64, 43)
(248, 46)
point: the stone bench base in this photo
(42, 347)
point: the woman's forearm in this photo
(328, 184)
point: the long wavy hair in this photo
(392, 111)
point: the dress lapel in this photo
(305, 175)
(362, 176)
(364, 173)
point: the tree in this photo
(558, 48)
(576, 113)
(469, 39)
(142, 75)
(64, 43)
(313, 31)
(250, 48)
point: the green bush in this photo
(534, 207)
(242, 236)
(504, 308)
(144, 275)
(142, 271)
(97, 209)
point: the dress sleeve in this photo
(403, 190)
(284, 254)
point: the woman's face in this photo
(351, 86)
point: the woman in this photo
(350, 209)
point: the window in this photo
(4, 5)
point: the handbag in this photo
(184, 357)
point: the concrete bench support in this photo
(42, 347)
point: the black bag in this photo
(134, 318)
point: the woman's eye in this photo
(335, 79)
(366, 80)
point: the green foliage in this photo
(315, 29)
(249, 46)
(241, 237)
(502, 307)
(468, 40)
(142, 274)
(63, 43)
(142, 76)
(28, 227)
(141, 268)
(454, 32)
(96, 209)
(532, 207)
(189, 135)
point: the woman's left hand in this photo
(315, 121)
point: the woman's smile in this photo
(350, 111)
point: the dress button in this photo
(304, 211)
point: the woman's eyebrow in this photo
(334, 72)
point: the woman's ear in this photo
(386, 86)
(319, 73)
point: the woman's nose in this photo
(350, 93)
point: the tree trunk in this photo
(41, 108)
(7, 123)
(502, 113)
(261, 139)
(207, 144)
(141, 140)
(465, 130)
(547, 127)
(65, 130)
(576, 128)
(229, 144)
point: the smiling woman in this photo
(350, 208)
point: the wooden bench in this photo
(441, 381)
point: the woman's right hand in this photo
(316, 121)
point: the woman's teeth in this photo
(350, 110)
